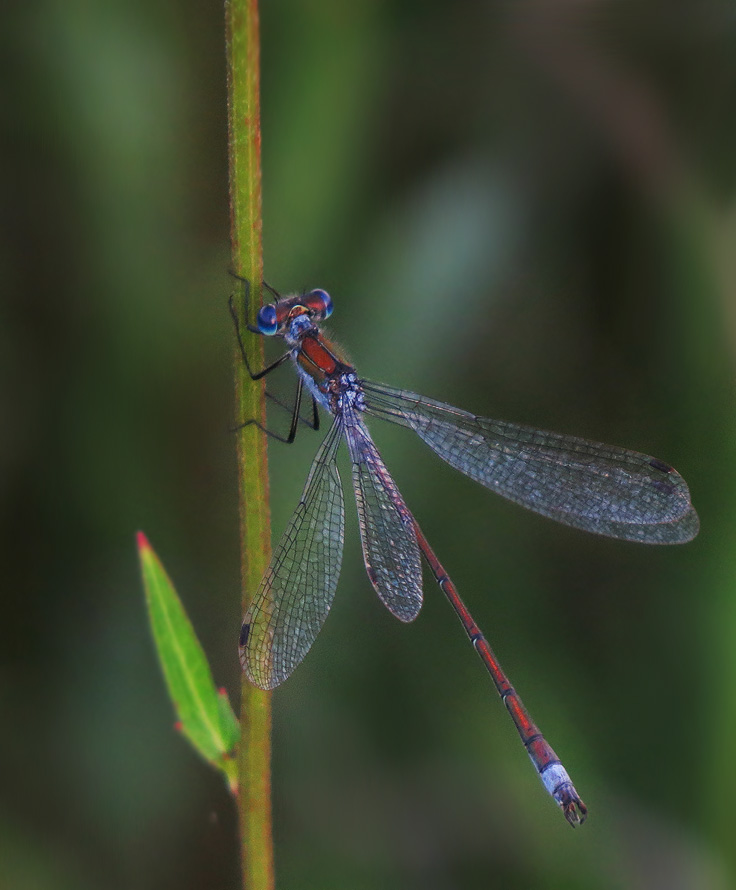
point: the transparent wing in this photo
(599, 488)
(297, 590)
(390, 549)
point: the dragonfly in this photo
(598, 488)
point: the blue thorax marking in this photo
(298, 327)
(311, 383)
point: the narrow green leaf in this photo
(205, 715)
(228, 721)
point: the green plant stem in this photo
(254, 796)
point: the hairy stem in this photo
(254, 794)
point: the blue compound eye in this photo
(319, 302)
(267, 323)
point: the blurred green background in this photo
(525, 209)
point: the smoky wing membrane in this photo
(296, 592)
(596, 487)
(390, 549)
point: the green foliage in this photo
(205, 715)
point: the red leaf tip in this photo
(142, 541)
(179, 726)
(222, 691)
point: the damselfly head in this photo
(317, 304)
(268, 320)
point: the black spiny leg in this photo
(272, 290)
(287, 440)
(312, 424)
(295, 418)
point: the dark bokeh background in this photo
(526, 209)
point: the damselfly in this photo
(595, 487)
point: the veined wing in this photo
(390, 549)
(297, 590)
(595, 487)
